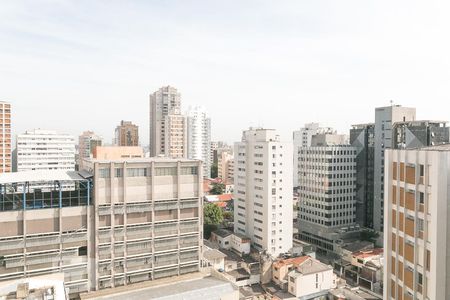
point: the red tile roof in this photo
(368, 253)
(291, 261)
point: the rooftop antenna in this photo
(392, 102)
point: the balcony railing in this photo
(164, 245)
(11, 244)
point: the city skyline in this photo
(255, 56)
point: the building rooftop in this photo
(145, 160)
(310, 266)
(358, 246)
(290, 261)
(42, 176)
(213, 254)
(223, 233)
(368, 253)
(209, 288)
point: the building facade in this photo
(87, 142)
(263, 190)
(199, 137)
(385, 117)
(417, 223)
(362, 138)
(115, 223)
(127, 134)
(225, 166)
(327, 197)
(45, 150)
(418, 134)
(302, 138)
(5, 137)
(168, 127)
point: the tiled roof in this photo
(368, 253)
(291, 261)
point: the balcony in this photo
(191, 241)
(166, 205)
(73, 237)
(140, 207)
(189, 226)
(104, 210)
(189, 256)
(104, 235)
(165, 229)
(189, 204)
(139, 247)
(11, 244)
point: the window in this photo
(421, 198)
(137, 172)
(189, 171)
(104, 173)
(118, 172)
(166, 171)
(421, 170)
(82, 251)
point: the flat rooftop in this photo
(143, 160)
(41, 176)
(185, 288)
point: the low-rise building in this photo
(231, 241)
(282, 267)
(117, 152)
(311, 279)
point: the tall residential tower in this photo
(263, 190)
(199, 137)
(5, 137)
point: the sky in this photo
(85, 65)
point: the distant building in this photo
(417, 223)
(302, 138)
(127, 134)
(327, 193)
(87, 142)
(225, 166)
(5, 137)
(45, 150)
(199, 137)
(385, 117)
(362, 138)
(168, 127)
(117, 153)
(263, 190)
(418, 134)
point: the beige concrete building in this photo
(145, 222)
(87, 142)
(116, 152)
(225, 166)
(168, 127)
(417, 223)
(5, 137)
(127, 134)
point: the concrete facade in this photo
(199, 137)
(385, 117)
(45, 150)
(417, 223)
(127, 134)
(263, 190)
(5, 137)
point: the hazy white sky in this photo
(78, 65)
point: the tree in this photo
(214, 171)
(217, 188)
(213, 214)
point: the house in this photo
(231, 241)
(215, 259)
(310, 279)
(281, 269)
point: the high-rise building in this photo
(327, 192)
(417, 223)
(302, 138)
(199, 137)
(263, 190)
(45, 150)
(5, 137)
(362, 138)
(168, 127)
(127, 134)
(417, 134)
(87, 142)
(385, 117)
(225, 166)
(119, 222)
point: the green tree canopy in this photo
(214, 171)
(217, 188)
(213, 214)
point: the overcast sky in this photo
(79, 65)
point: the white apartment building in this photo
(302, 138)
(327, 199)
(417, 223)
(199, 137)
(168, 127)
(45, 150)
(385, 117)
(263, 190)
